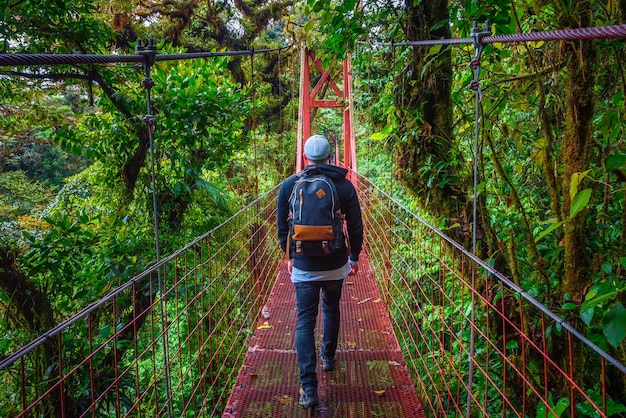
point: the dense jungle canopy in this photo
(75, 181)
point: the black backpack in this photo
(315, 218)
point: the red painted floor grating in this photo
(371, 379)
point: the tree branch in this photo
(46, 76)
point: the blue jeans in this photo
(307, 301)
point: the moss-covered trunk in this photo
(425, 143)
(575, 148)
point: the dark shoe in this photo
(309, 399)
(328, 364)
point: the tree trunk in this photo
(35, 309)
(32, 305)
(425, 151)
(575, 149)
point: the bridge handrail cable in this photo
(499, 276)
(21, 352)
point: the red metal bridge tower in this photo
(309, 101)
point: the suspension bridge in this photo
(428, 329)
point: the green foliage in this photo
(615, 325)
(61, 26)
(78, 249)
(558, 408)
(20, 196)
(200, 112)
(46, 163)
(22, 202)
(342, 24)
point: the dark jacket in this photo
(349, 206)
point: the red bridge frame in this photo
(308, 102)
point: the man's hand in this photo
(354, 268)
(290, 265)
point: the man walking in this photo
(315, 270)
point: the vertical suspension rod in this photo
(149, 52)
(474, 85)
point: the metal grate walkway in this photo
(371, 379)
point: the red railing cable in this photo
(213, 295)
(516, 365)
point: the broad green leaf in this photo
(388, 129)
(106, 331)
(347, 6)
(377, 136)
(574, 182)
(433, 50)
(318, 6)
(512, 345)
(602, 287)
(546, 231)
(309, 26)
(588, 304)
(587, 316)
(579, 202)
(615, 325)
(615, 161)
(568, 306)
(480, 187)
(613, 408)
(559, 408)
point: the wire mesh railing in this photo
(176, 350)
(450, 308)
(145, 351)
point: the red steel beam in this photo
(309, 101)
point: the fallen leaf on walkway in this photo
(265, 325)
(379, 392)
(364, 300)
(284, 399)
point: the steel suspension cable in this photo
(253, 125)
(615, 31)
(58, 59)
(606, 32)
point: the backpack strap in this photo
(288, 246)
